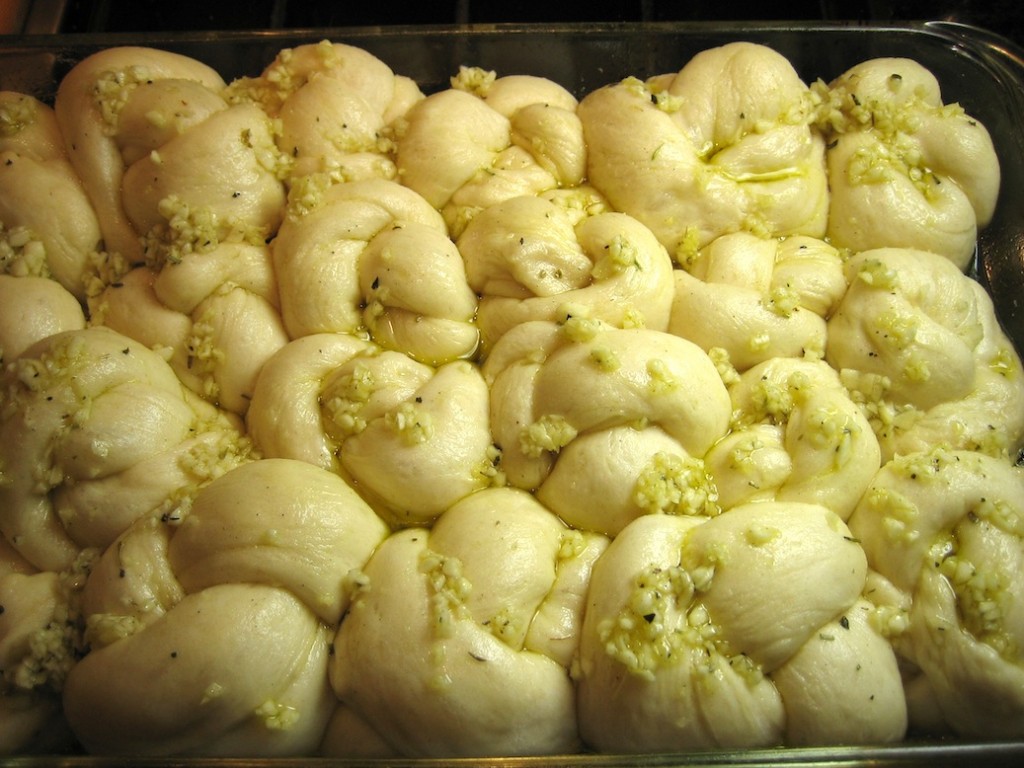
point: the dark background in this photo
(1003, 16)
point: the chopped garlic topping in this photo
(22, 254)
(676, 485)
(656, 627)
(475, 80)
(549, 433)
(449, 590)
(277, 716)
(412, 422)
(616, 257)
(17, 114)
(113, 89)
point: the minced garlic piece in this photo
(1002, 362)
(449, 590)
(999, 513)
(983, 595)
(900, 515)
(832, 432)
(883, 163)
(923, 466)
(842, 110)
(277, 716)
(17, 114)
(266, 152)
(328, 54)
(22, 254)
(616, 257)
(572, 544)
(868, 391)
(994, 442)
(475, 80)
(759, 342)
(377, 308)
(783, 300)
(758, 535)
(667, 102)
(687, 251)
(874, 165)
(253, 90)
(865, 387)
(551, 432)
(345, 141)
(190, 229)
(204, 356)
(637, 86)
(55, 648)
(57, 366)
(672, 484)
(104, 270)
(504, 626)
(661, 379)
(704, 572)
(50, 657)
(103, 629)
(578, 326)
(579, 203)
(650, 631)
(306, 193)
(411, 421)
(489, 469)
(660, 625)
(112, 90)
(279, 80)
(633, 318)
(917, 369)
(878, 274)
(726, 370)
(896, 329)
(348, 396)
(46, 476)
(890, 621)
(772, 400)
(207, 460)
(605, 359)
(281, 74)
(461, 216)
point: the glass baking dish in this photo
(976, 68)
